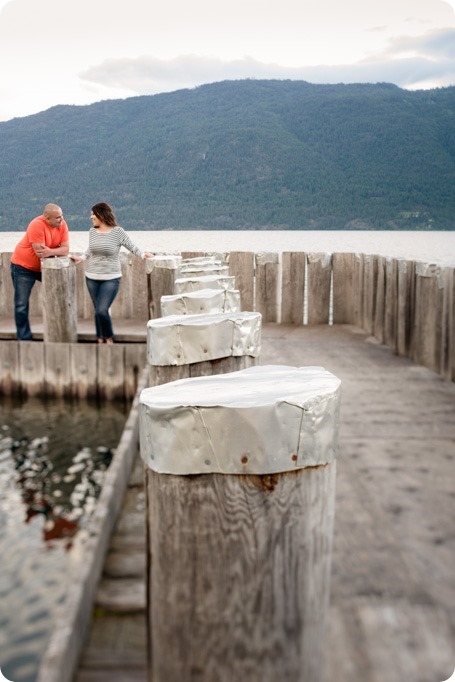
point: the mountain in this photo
(251, 154)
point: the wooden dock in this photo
(392, 614)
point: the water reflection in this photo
(53, 457)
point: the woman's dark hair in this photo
(105, 213)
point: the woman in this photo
(103, 272)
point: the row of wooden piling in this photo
(237, 579)
(404, 304)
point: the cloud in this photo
(433, 45)
(427, 60)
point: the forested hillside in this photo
(240, 155)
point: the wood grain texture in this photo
(10, 376)
(343, 266)
(59, 301)
(379, 312)
(405, 306)
(160, 283)
(428, 324)
(241, 266)
(239, 585)
(370, 279)
(267, 281)
(319, 278)
(57, 369)
(292, 287)
(391, 303)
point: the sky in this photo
(83, 51)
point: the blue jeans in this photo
(102, 293)
(23, 281)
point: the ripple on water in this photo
(41, 513)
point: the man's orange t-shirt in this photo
(38, 232)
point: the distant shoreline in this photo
(426, 246)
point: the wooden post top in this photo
(261, 420)
(56, 263)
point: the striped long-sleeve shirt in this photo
(102, 255)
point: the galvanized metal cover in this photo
(186, 339)
(259, 420)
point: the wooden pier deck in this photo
(392, 614)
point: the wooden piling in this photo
(241, 266)
(391, 303)
(59, 300)
(267, 267)
(161, 273)
(428, 316)
(239, 565)
(379, 312)
(405, 306)
(343, 265)
(292, 287)
(370, 277)
(6, 287)
(319, 278)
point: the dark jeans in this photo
(103, 292)
(23, 281)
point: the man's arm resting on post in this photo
(43, 251)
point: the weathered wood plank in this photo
(221, 365)
(370, 278)
(343, 266)
(319, 277)
(122, 307)
(139, 284)
(57, 369)
(447, 353)
(241, 266)
(428, 316)
(121, 596)
(292, 287)
(267, 279)
(223, 609)
(84, 370)
(405, 306)
(359, 301)
(135, 359)
(6, 286)
(59, 300)
(111, 370)
(379, 313)
(116, 641)
(10, 375)
(163, 374)
(160, 283)
(391, 303)
(31, 367)
(121, 565)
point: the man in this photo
(46, 236)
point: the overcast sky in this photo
(82, 51)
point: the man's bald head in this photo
(53, 215)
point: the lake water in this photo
(435, 247)
(53, 457)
